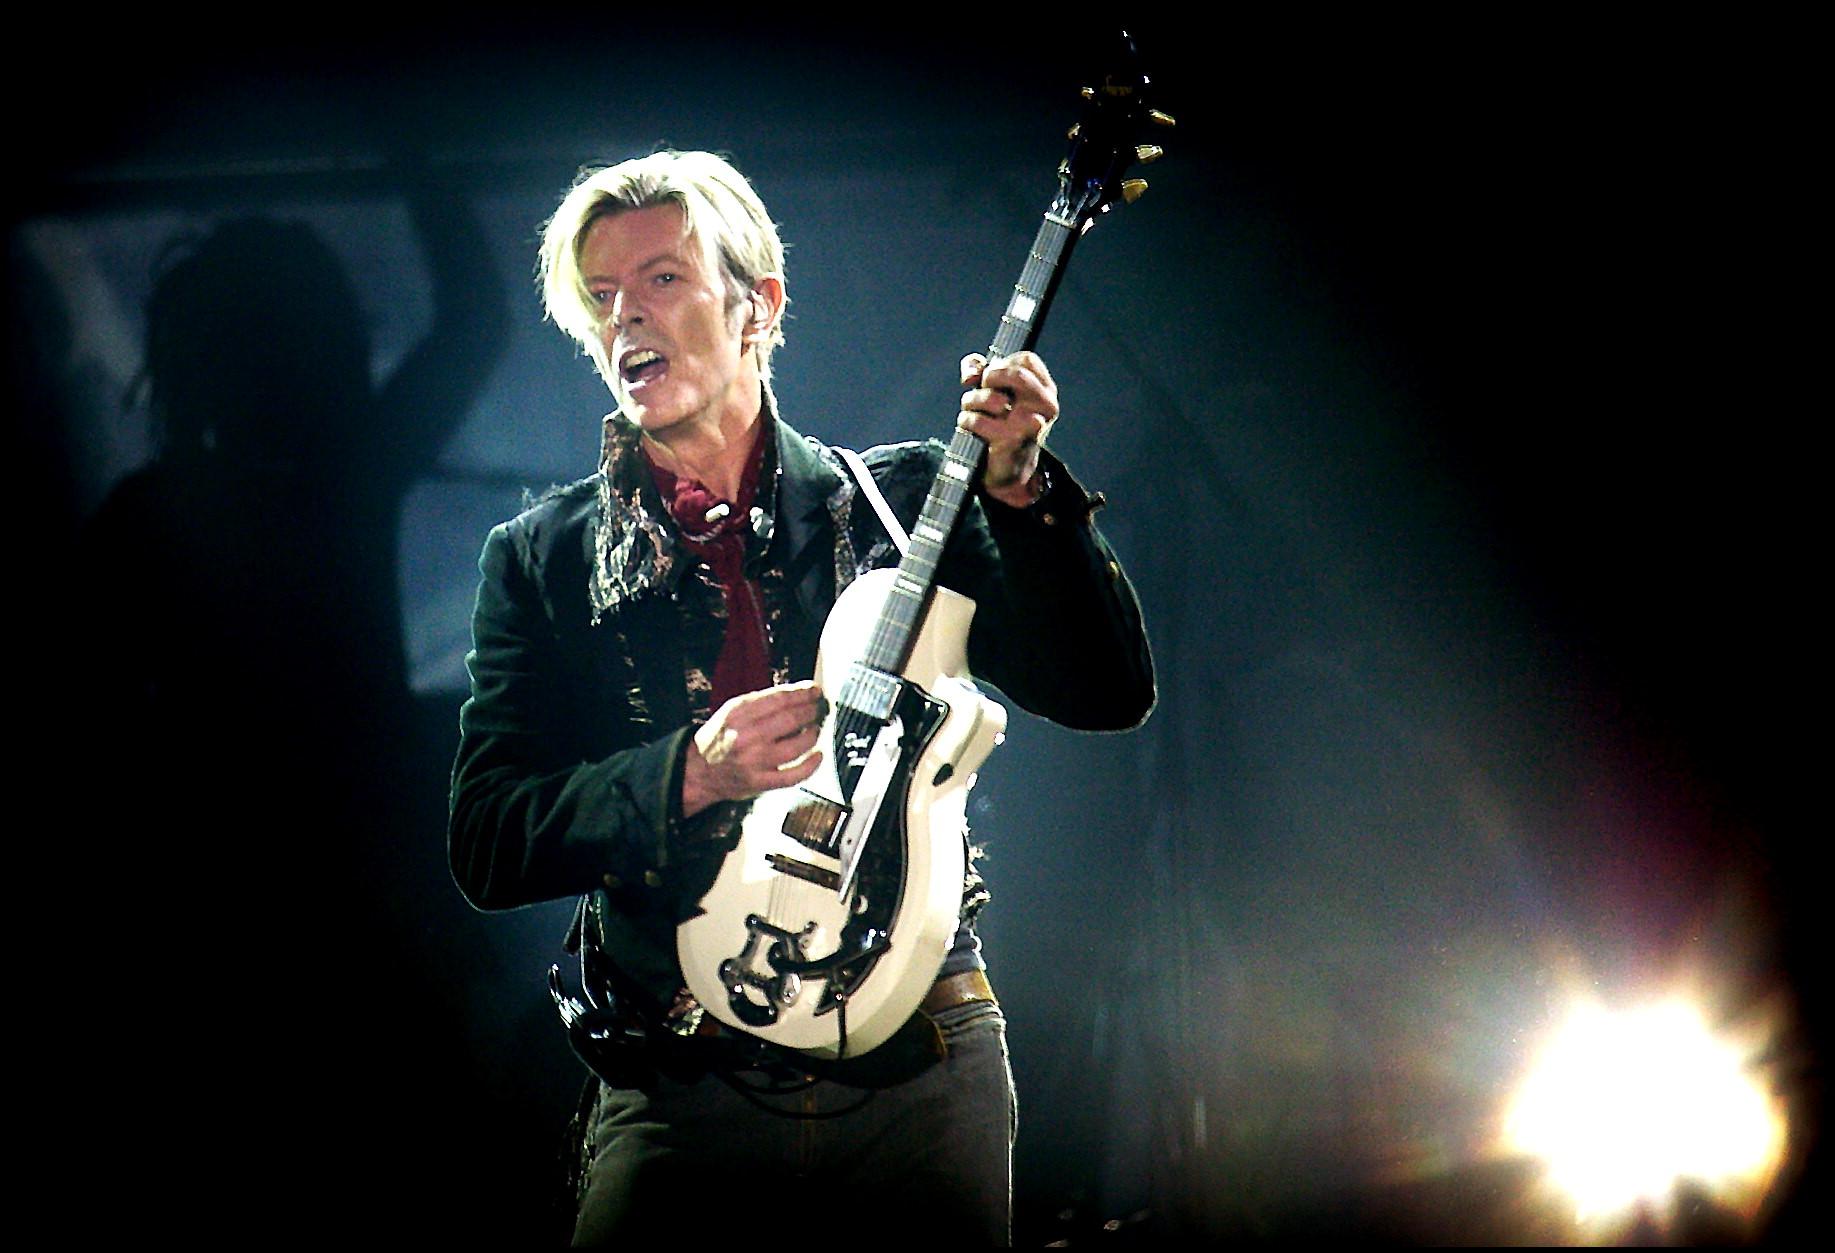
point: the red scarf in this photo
(744, 664)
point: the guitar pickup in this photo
(871, 692)
(803, 870)
(817, 824)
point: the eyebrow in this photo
(661, 258)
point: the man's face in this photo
(674, 349)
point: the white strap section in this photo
(876, 498)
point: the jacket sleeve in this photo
(1057, 626)
(534, 816)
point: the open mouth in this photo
(641, 365)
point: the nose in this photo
(624, 312)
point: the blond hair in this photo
(718, 206)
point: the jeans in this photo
(930, 1157)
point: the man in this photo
(643, 646)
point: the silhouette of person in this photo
(243, 695)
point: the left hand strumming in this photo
(1011, 405)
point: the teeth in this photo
(644, 357)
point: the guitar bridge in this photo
(803, 870)
(740, 975)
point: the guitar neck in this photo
(1038, 283)
(1104, 144)
(1019, 330)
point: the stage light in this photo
(1623, 1105)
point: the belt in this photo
(635, 1049)
(945, 994)
(953, 990)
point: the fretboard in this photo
(1019, 329)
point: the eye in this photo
(665, 278)
(601, 296)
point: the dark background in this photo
(1448, 389)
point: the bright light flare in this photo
(1621, 1105)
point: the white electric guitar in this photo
(829, 920)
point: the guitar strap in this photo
(868, 488)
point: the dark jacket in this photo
(568, 777)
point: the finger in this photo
(995, 402)
(716, 743)
(1027, 365)
(753, 709)
(795, 771)
(805, 689)
(1031, 363)
(1014, 430)
(787, 748)
(777, 692)
(1029, 390)
(791, 719)
(778, 768)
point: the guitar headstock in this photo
(1108, 140)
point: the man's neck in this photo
(712, 453)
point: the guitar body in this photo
(790, 946)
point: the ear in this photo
(764, 306)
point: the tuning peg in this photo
(1147, 154)
(1133, 189)
(1088, 93)
(1160, 119)
(1074, 131)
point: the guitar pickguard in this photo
(779, 954)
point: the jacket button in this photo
(653, 878)
(613, 882)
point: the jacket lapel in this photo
(810, 490)
(633, 542)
